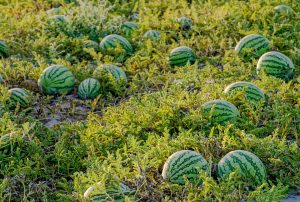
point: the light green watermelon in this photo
(184, 164)
(252, 46)
(18, 95)
(56, 79)
(89, 89)
(185, 23)
(129, 27)
(181, 56)
(276, 64)
(113, 192)
(283, 9)
(244, 162)
(110, 44)
(153, 35)
(252, 92)
(220, 111)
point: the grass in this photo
(127, 137)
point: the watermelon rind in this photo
(276, 64)
(245, 163)
(253, 93)
(184, 164)
(252, 46)
(152, 35)
(89, 89)
(109, 44)
(185, 23)
(220, 111)
(56, 79)
(19, 95)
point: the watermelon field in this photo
(150, 100)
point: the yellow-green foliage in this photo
(126, 137)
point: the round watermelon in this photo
(152, 35)
(283, 9)
(89, 89)
(134, 16)
(252, 46)
(184, 164)
(112, 70)
(117, 193)
(18, 95)
(181, 56)
(244, 162)
(276, 64)
(57, 19)
(56, 79)
(129, 27)
(115, 45)
(185, 23)
(55, 11)
(220, 111)
(252, 92)
(4, 50)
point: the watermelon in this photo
(245, 163)
(181, 56)
(220, 111)
(57, 19)
(110, 43)
(56, 79)
(129, 27)
(116, 72)
(89, 89)
(185, 23)
(112, 192)
(55, 11)
(283, 9)
(252, 46)
(19, 95)
(152, 35)
(4, 50)
(184, 164)
(90, 44)
(252, 92)
(276, 64)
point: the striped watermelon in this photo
(18, 95)
(181, 56)
(185, 23)
(56, 79)
(220, 111)
(184, 164)
(244, 162)
(152, 35)
(252, 92)
(129, 27)
(116, 72)
(253, 45)
(110, 43)
(283, 9)
(4, 50)
(276, 64)
(89, 89)
(113, 192)
(57, 19)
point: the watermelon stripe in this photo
(253, 41)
